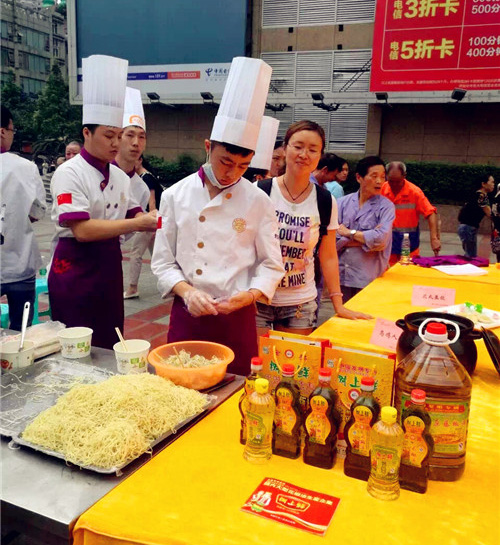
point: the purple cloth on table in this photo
(86, 287)
(236, 330)
(359, 265)
(450, 260)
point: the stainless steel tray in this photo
(26, 393)
(18, 440)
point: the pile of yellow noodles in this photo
(113, 422)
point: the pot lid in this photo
(493, 346)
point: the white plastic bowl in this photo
(75, 342)
(135, 360)
(12, 360)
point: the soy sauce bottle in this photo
(288, 415)
(417, 446)
(321, 424)
(357, 432)
(255, 371)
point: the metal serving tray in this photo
(18, 440)
(26, 393)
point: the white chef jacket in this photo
(79, 192)
(20, 189)
(140, 190)
(221, 246)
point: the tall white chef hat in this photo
(265, 144)
(104, 80)
(242, 107)
(134, 111)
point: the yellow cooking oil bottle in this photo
(434, 368)
(255, 372)
(385, 456)
(418, 444)
(321, 424)
(259, 419)
(288, 415)
(357, 432)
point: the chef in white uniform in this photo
(22, 201)
(217, 250)
(261, 162)
(132, 146)
(92, 207)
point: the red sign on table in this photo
(436, 45)
(291, 505)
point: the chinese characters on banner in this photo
(436, 45)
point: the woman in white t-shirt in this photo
(293, 307)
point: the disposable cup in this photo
(10, 357)
(135, 359)
(75, 342)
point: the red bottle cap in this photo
(256, 362)
(325, 372)
(159, 222)
(436, 328)
(368, 381)
(288, 369)
(418, 396)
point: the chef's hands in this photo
(199, 303)
(146, 222)
(237, 301)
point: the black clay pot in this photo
(464, 348)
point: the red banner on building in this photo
(436, 45)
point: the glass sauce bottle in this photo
(417, 446)
(434, 368)
(321, 424)
(255, 370)
(357, 432)
(288, 415)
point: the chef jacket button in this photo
(199, 271)
(202, 218)
(200, 244)
(229, 195)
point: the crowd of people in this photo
(237, 254)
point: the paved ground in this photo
(148, 316)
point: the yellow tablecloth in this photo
(192, 492)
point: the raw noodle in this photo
(185, 360)
(113, 422)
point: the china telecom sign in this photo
(436, 45)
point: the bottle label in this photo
(415, 448)
(449, 423)
(359, 432)
(317, 424)
(384, 463)
(285, 417)
(257, 431)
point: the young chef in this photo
(22, 201)
(217, 250)
(132, 145)
(92, 208)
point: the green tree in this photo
(55, 120)
(21, 107)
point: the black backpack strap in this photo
(266, 185)
(324, 199)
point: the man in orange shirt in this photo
(410, 203)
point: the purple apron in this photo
(86, 287)
(236, 330)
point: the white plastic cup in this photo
(75, 342)
(135, 360)
(10, 357)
